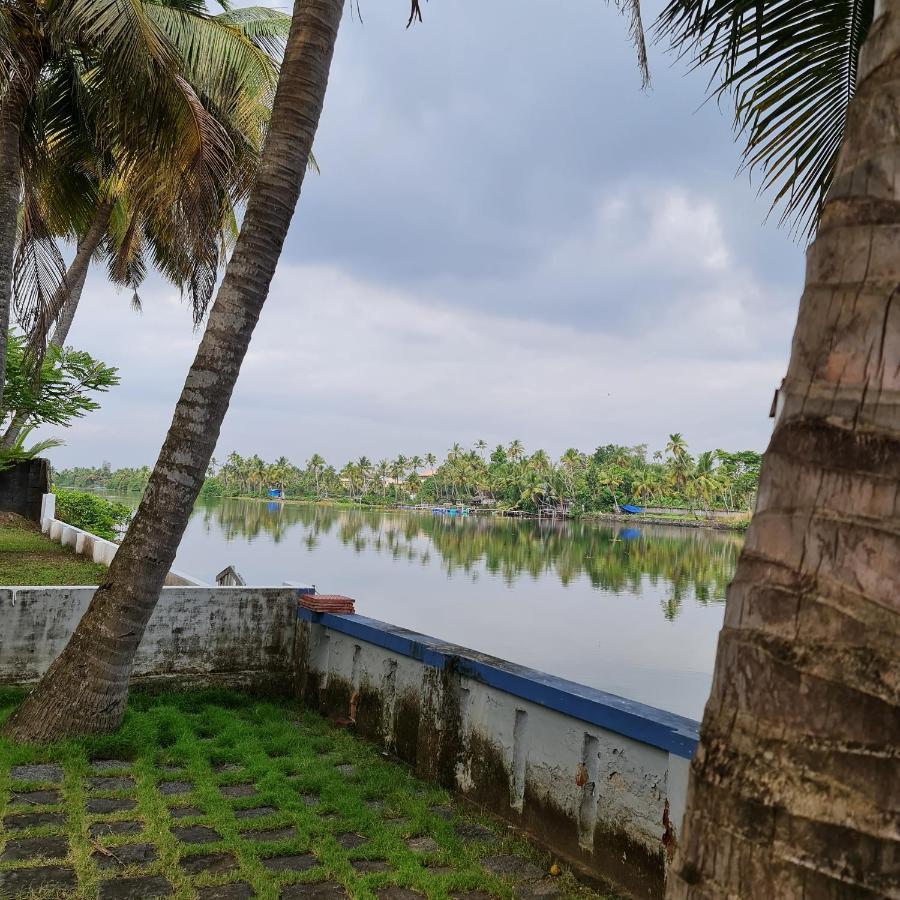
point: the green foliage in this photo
(68, 379)
(791, 67)
(91, 512)
(509, 479)
(211, 739)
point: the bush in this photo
(90, 512)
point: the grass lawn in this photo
(222, 795)
(27, 557)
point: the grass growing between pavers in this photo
(27, 557)
(219, 795)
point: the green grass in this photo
(286, 753)
(27, 557)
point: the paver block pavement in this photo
(422, 844)
(171, 788)
(22, 882)
(317, 890)
(109, 765)
(128, 826)
(47, 773)
(398, 893)
(110, 783)
(237, 890)
(33, 798)
(350, 840)
(141, 888)
(196, 834)
(109, 804)
(33, 820)
(254, 812)
(238, 790)
(185, 812)
(514, 867)
(125, 855)
(209, 863)
(292, 862)
(367, 866)
(269, 835)
(18, 849)
(472, 832)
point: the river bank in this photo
(739, 522)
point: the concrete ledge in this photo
(600, 780)
(647, 724)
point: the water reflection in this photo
(681, 563)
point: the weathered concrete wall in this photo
(239, 636)
(95, 548)
(23, 486)
(598, 779)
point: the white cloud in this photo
(345, 366)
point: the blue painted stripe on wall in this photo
(656, 727)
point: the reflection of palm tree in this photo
(686, 562)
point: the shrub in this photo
(90, 512)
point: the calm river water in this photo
(634, 611)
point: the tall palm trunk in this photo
(794, 789)
(77, 272)
(12, 110)
(86, 687)
(66, 300)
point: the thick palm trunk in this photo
(77, 274)
(794, 788)
(86, 687)
(11, 112)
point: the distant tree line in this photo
(508, 478)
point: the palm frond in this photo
(790, 67)
(39, 271)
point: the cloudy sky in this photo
(508, 239)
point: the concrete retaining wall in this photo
(95, 548)
(599, 779)
(240, 636)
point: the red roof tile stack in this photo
(327, 603)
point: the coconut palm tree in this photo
(792, 791)
(316, 464)
(106, 201)
(86, 686)
(120, 70)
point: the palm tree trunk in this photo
(77, 273)
(85, 689)
(12, 110)
(793, 790)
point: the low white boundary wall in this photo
(95, 548)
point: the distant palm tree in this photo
(515, 450)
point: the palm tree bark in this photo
(86, 687)
(12, 110)
(794, 789)
(77, 274)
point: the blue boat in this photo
(631, 510)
